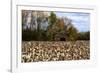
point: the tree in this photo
(61, 27)
(70, 29)
(84, 35)
(52, 18)
(51, 28)
(72, 33)
(42, 17)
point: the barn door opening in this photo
(62, 39)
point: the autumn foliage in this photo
(44, 27)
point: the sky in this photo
(80, 20)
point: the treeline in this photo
(83, 36)
(58, 29)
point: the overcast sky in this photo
(80, 20)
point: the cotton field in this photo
(41, 51)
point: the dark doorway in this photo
(62, 39)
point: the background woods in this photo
(47, 26)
